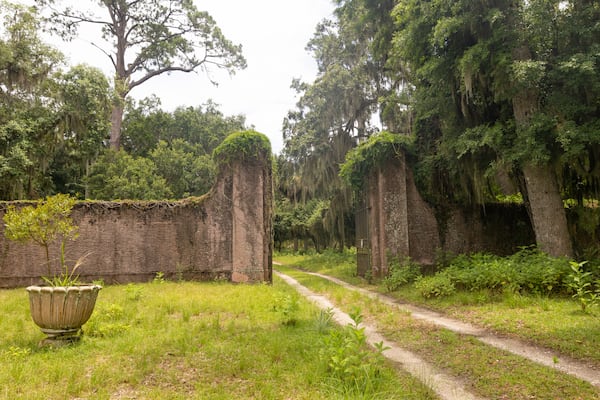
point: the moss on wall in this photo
(243, 146)
(372, 154)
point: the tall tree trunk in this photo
(546, 208)
(547, 211)
(116, 120)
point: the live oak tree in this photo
(145, 39)
(27, 104)
(509, 83)
(335, 111)
(83, 124)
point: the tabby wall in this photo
(225, 234)
(402, 223)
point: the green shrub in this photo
(108, 321)
(245, 145)
(371, 154)
(401, 273)
(438, 285)
(287, 306)
(527, 271)
(353, 368)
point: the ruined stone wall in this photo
(402, 223)
(224, 235)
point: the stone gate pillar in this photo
(246, 158)
(252, 222)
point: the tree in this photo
(145, 39)
(118, 175)
(187, 172)
(501, 84)
(541, 188)
(83, 127)
(335, 112)
(205, 126)
(27, 105)
(144, 125)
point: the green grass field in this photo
(178, 340)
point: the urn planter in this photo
(61, 311)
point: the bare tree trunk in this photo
(545, 204)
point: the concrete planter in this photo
(60, 311)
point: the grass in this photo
(178, 340)
(557, 323)
(332, 263)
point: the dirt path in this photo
(445, 386)
(539, 355)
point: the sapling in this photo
(44, 224)
(581, 284)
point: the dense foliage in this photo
(372, 154)
(245, 145)
(502, 99)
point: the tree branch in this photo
(160, 71)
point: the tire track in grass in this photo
(536, 354)
(445, 386)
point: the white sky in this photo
(273, 34)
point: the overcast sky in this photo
(273, 34)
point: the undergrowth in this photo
(528, 271)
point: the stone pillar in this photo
(388, 215)
(252, 222)
(400, 221)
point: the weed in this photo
(439, 285)
(581, 284)
(159, 277)
(16, 352)
(134, 292)
(99, 282)
(323, 320)
(287, 306)
(353, 367)
(527, 271)
(107, 322)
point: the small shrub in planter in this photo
(62, 307)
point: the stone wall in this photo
(225, 234)
(402, 223)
